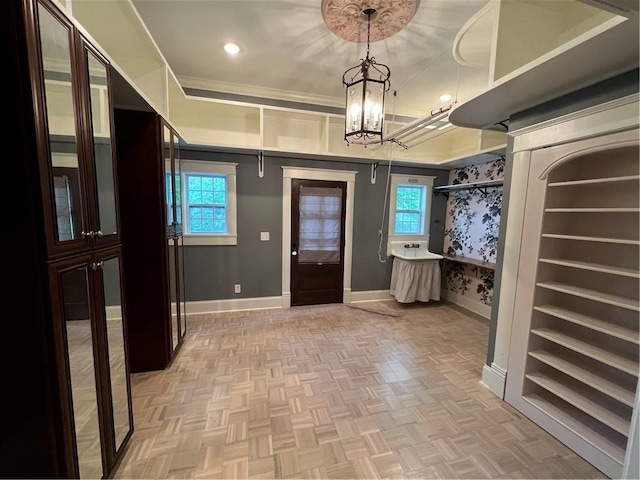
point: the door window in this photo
(320, 214)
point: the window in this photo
(207, 203)
(410, 206)
(410, 210)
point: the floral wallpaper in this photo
(471, 230)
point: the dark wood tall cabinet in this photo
(67, 410)
(149, 168)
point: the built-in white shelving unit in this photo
(580, 366)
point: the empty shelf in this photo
(579, 398)
(596, 267)
(467, 186)
(626, 178)
(604, 356)
(617, 300)
(580, 423)
(470, 261)
(592, 239)
(603, 385)
(590, 322)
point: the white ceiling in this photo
(287, 51)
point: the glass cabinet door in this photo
(177, 182)
(121, 418)
(169, 178)
(174, 295)
(179, 244)
(79, 333)
(64, 179)
(105, 224)
(182, 286)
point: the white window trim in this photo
(228, 169)
(400, 179)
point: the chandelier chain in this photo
(368, 31)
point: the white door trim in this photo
(288, 174)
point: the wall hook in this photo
(374, 172)
(261, 164)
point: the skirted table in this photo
(413, 280)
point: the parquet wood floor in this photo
(335, 392)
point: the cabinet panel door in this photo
(63, 177)
(105, 222)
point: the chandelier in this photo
(366, 85)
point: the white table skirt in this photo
(413, 280)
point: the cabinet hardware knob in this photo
(99, 234)
(95, 266)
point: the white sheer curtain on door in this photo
(320, 214)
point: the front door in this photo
(317, 241)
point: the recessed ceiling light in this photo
(231, 48)
(445, 97)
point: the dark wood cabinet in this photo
(67, 410)
(150, 174)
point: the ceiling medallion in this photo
(346, 19)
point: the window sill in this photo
(191, 239)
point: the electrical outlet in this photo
(236, 288)
(264, 236)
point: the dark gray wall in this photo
(212, 271)
(616, 87)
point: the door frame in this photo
(302, 173)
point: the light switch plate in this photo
(264, 236)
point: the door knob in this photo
(294, 253)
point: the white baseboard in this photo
(494, 378)
(233, 305)
(114, 312)
(472, 305)
(286, 300)
(259, 303)
(370, 296)
(346, 295)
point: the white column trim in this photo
(288, 174)
(494, 378)
(511, 260)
